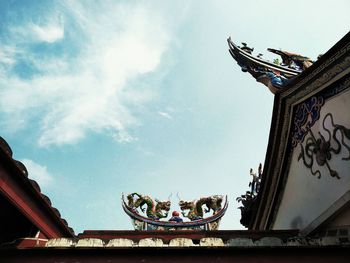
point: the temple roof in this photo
(25, 194)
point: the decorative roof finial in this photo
(275, 75)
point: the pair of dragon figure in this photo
(156, 209)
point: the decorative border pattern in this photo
(344, 63)
(305, 117)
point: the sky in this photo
(100, 98)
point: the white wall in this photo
(305, 196)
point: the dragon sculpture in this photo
(155, 208)
(195, 208)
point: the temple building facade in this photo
(298, 208)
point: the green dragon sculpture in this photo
(195, 208)
(154, 208)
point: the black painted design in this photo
(321, 150)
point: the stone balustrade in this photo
(203, 242)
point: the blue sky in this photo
(103, 97)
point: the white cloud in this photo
(38, 173)
(50, 30)
(7, 55)
(49, 33)
(89, 92)
(165, 115)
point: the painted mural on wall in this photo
(147, 213)
(318, 150)
(318, 174)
